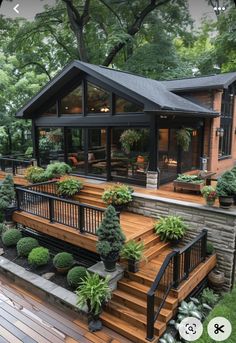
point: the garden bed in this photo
(59, 279)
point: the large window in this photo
(98, 100)
(72, 102)
(51, 111)
(76, 149)
(225, 141)
(125, 106)
(51, 146)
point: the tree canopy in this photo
(154, 38)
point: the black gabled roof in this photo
(153, 94)
(218, 81)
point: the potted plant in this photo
(56, 170)
(110, 239)
(226, 188)
(63, 261)
(183, 137)
(128, 138)
(94, 292)
(133, 252)
(69, 186)
(210, 195)
(171, 228)
(210, 249)
(118, 195)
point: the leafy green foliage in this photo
(69, 186)
(7, 192)
(117, 195)
(170, 228)
(128, 138)
(189, 178)
(110, 236)
(209, 297)
(188, 310)
(1, 228)
(75, 276)
(133, 250)
(168, 338)
(183, 137)
(226, 184)
(209, 192)
(11, 237)
(39, 257)
(63, 260)
(25, 245)
(57, 169)
(35, 174)
(210, 248)
(93, 292)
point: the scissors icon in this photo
(218, 328)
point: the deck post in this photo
(81, 219)
(150, 317)
(176, 269)
(51, 209)
(204, 245)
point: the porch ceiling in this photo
(153, 94)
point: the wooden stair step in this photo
(155, 250)
(140, 291)
(139, 305)
(93, 193)
(136, 335)
(151, 240)
(133, 317)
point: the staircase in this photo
(92, 195)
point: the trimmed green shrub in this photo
(25, 245)
(210, 248)
(56, 170)
(39, 256)
(63, 260)
(11, 237)
(69, 186)
(7, 193)
(35, 174)
(75, 276)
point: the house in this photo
(117, 126)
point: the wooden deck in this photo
(28, 319)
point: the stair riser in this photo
(152, 243)
(156, 253)
(127, 334)
(142, 295)
(131, 320)
(139, 279)
(129, 303)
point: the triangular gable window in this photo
(72, 102)
(51, 111)
(98, 100)
(124, 106)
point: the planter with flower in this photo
(210, 195)
(119, 196)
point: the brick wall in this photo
(221, 225)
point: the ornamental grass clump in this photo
(39, 257)
(63, 260)
(69, 186)
(170, 228)
(11, 237)
(93, 292)
(75, 276)
(26, 245)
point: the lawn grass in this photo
(225, 308)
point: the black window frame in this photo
(226, 123)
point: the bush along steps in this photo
(171, 228)
(119, 196)
(110, 239)
(75, 276)
(11, 237)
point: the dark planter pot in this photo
(63, 270)
(94, 323)
(175, 242)
(226, 201)
(119, 208)
(234, 197)
(109, 263)
(133, 266)
(8, 212)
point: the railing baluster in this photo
(51, 209)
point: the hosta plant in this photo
(209, 297)
(69, 186)
(168, 338)
(170, 228)
(133, 250)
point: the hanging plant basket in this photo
(183, 137)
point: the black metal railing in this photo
(15, 166)
(48, 187)
(176, 268)
(82, 217)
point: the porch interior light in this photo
(218, 8)
(220, 132)
(105, 109)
